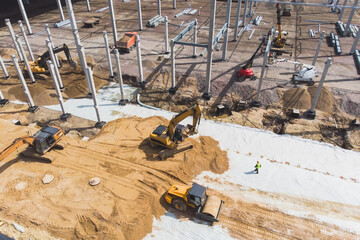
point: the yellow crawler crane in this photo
(280, 39)
(170, 136)
(41, 143)
(206, 207)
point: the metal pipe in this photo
(56, 84)
(1, 96)
(226, 36)
(88, 5)
(195, 37)
(322, 36)
(353, 48)
(166, 35)
(60, 10)
(4, 68)
(244, 14)
(207, 95)
(53, 59)
(159, 7)
(23, 54)
(261, 78)
(318, 90)
(47, 29)
(108, 54)
(174, 4)
(350, 18)
(138, 51)
(113, 21)
(122, 100)
(76, 34)
(26, 41)
(93, 90)
(172, 56)
(250, 9)
(139, 14)
(23, 83)
(237, 19)
(25, 18)
(342, 11)
(12, 35)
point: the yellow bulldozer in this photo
(206, 207)
(172, 135)
(41, 143)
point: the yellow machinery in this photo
(42, 142)
(206, 207)
(280, 39)
(170, 136)
(40, 65)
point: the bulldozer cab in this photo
(45, 139)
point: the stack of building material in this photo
(155, 21)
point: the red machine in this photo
(246, 71)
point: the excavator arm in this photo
(17, 143)
(41, 62)
(194, 110)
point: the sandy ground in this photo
(133, 182)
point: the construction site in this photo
(209, 119)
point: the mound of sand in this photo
(298, 98)
(326, 102)
(6, 52)
(133, 181)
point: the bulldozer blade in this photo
(48, 157)
(211, 210)
(164, 154)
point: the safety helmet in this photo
(258, 161)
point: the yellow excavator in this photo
(280, 39)
(207, 207)
(170, 136)
(40, 65)
(41, 143)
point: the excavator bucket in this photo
(211, 211)
(164, 154)
(48, 157)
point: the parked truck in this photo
(127, 42)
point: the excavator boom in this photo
(194, 110)
(17, 143)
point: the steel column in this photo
(138, 51)
(113, 21)
(12, 35)
(350, 18)
(172, 56)
(23, 54)
(322, 36)
(26, 40)
(207, 95)
(159, 7)
(342, 11)
(353, 48)
(174, 4)
(311, 111)
(166, 35)
(250, 9)
(257, 102)
(87, 77)
(31, 104)
(60, 10)
(53, 59)
(244, 14)
(138, 2)
(226, 36)
(108, 54)
(195, 37)
(4, 68)
(76, 35)
(99, 123)
(237, 19)
(25, 18)
(122, 100)
(88, 5)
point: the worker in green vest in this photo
(257, 166)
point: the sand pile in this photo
(133, 181)
(326, 102)
(6, 52)
(298, 98)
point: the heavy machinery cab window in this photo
(50, 140)
(41, 146)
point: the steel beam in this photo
(60, 10)
(24, 15)
(88, 5)
(342, 11)
(195, 38)
(185, 31)
(192, 44)
(47, 29)
(237, 19)
(159, 7)
(244, 14)
(172, 57)
(26, 41)
(138, 2)
(226, 36)
(12, 35)
(113, 21)
(216, 39)
(207, 94)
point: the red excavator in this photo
(246, 71)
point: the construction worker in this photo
(257, 166)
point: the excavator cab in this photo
(46, 138)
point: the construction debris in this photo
(48, 179)
(94, 181)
